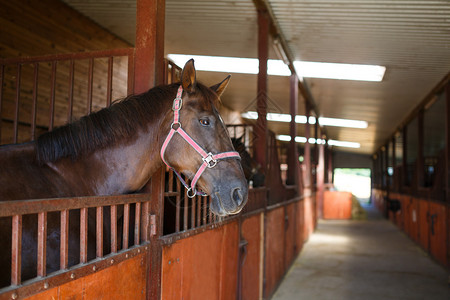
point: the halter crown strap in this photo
(209, 160)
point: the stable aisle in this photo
(363, 260)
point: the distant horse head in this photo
(198, 145)
(252, 169)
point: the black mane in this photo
(104, 127)
(109, 126)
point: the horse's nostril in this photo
(237, 196)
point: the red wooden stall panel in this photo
(424, 226)
(438, 231)
(126, 280)
(300, 223)
(337, 205)
(308, 217)
(274, 249)
(253, 233)
(203, 266)
(290, 240)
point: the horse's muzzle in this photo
(230, 203)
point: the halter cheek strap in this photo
(209, 160)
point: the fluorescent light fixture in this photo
(301, 139)
(312, 120)
(278, 67)
(339, 71)
(231, 64)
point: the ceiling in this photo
(411, 38)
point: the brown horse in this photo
(115, 151)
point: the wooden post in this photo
(149, 50)
(307, 151)
(263, 54)
(149, 72)
(447, 137)
(316, 150)
(420, 157)
(320, 178)
(293, 153)
(404, 157)
(330, 164)
(394, 162)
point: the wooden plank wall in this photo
(424, 221)
(36, 28)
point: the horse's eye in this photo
(204, 122)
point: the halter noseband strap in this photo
(209, 160)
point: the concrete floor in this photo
(369, 259)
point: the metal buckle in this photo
(209, 160)
(177, 101)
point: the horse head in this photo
(198, 145)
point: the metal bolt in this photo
(46, 285)
(169, 262)
(14, 296)
(94, 268)
(139, 250)
(178, 259)
(112, 261)
(126, 255)
(72, 275)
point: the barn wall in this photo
(106, 284)
(30, 28)
(425, 221)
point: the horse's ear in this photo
(188, 77)
(220, 87)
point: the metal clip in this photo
(177, 104)
(209, 160)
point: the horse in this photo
(115, 151)
(252, 169)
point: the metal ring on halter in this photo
(191, 189)
(179, 106)
(179, 125)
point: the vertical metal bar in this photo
(83, 234)
(193, 202)
(64, 246)
(90, 84)
(185, 212)
(16, 250)
(110, 78)
(16, 110)
(42, 239)
(177, 207)
(405, 156)
(2, 75)
(137, 223)
(71, 81)
(113, 228)
(126, 225)
(263, 54)
(99, 232)
(34, 105)
(52, 97)
(173, 73)
(210, 211)
(307, 150)
(204, 209)
(170, 181)
(198, 200)
(145, 222)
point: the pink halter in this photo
(209, 160)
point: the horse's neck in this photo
(124, 168)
